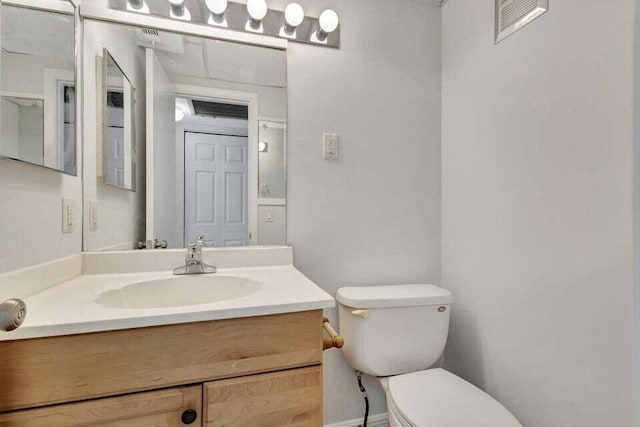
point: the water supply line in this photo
(365, 397)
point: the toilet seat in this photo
(437, 398)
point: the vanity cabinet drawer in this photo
(45, 371)
(285, 398)
(163, 408)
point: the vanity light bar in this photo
(252, 17)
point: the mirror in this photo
(37, 87)
(118, 122)
(208, 124)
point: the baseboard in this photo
(378, 420)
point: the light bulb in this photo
(179, 114)
(178, 10)
(293, 15)
(257, 9)
(329, 21)
(217, 7)
(137, 6)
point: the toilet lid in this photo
(437, 398)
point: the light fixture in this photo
(137, 6)
(217, 9)
(179, 114)
(179, 11)
(257, 10)
(293, 16)
(263, 147)
(328, 23)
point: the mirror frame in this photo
(106, 55)
(69, 8)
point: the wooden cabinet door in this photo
(163, 408)
(285, 398)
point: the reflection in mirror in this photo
(37, 119)
(271, 160)
(118, 126)
(271, 182)
(113, 142)
(206, 106)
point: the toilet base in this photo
(394, 421)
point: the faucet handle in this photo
(200, 242)
(193, 249)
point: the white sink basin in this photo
(179, 291)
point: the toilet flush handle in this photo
(361, 313)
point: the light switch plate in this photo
(268, 217)
(93, 215)
(330, 143)
(68, 215)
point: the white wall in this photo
(162, 220)
(272, 225)
(120, 212)
(31, 215)
(537, 231)
(373, 216)
(272, 162)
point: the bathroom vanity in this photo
(246, 371)
(179, 141)
(254, 359)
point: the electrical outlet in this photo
(330, 146)
(68, 218)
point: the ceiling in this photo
(48, 36)
(215, 59)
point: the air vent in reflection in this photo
(511, 15)
(217, 109)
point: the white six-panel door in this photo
(114, 140)
(215, 192)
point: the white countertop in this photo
(70, 307)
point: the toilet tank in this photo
(392, 330)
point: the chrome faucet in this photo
(193, 263)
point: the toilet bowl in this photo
(435, 397)
(397, 333)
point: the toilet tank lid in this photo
(393, 296)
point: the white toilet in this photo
(396, 333)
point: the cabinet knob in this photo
(12, 314)
(189, 416)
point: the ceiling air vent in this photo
(511, 15)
